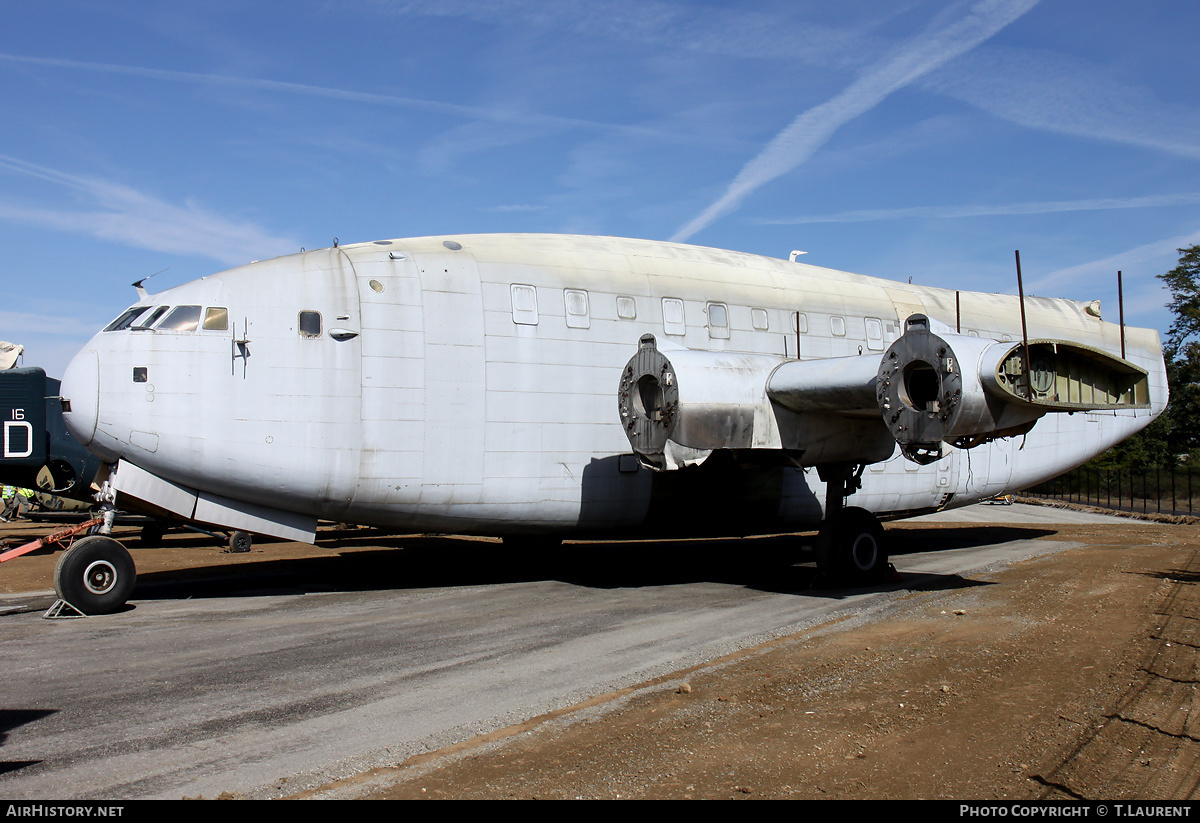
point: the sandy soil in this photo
(1073, 675)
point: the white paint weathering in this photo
(470, 384)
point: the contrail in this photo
(940, 212)
(812, 129)
(546, 121)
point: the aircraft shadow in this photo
(914, 540)
(1174, 575)
(11, 719)
(371, 562)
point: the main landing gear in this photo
(236, 542)
(850, 545)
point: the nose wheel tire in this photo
(96, 575)
(852, 547)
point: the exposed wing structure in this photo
(926, 392)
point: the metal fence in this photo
(1161, 491)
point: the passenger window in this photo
(216, 319)
(184, 318)
(626, 308)
(152, 319)
(576, 301)
(310, 324)
(524, 305)
(800, 322)
(673, 316)
(718, 321)
(126, 319)
(758, 319)
(837, 325)
(874, 333)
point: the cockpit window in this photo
(310, 324)
(184, 318)
(126, 319)
(152, 319)
(216, 318)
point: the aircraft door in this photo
(946, 482)
(455, 377)
(339, 352)
(393, 375)
(987, 469)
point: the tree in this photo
(1182, 353)
(1176, 432)
(1182, 281)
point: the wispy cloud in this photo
(734, 31)
(1147, 300)
(516, 117)
(439, 155)
(1052, 92)
(1037, 89)
(939, 212)
(16, 325)
(1156, 257)
(124, 215)
(813, 128)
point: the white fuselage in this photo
(473, 389)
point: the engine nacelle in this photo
(677, 411)
(938, 389)
(927, 392)
(680, 406)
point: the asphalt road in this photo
(289, 680)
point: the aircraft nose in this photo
(81, 387)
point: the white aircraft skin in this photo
(468, 384)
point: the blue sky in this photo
(898, 139)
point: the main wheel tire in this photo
(240, 542)
(854, 549)
(96, 575)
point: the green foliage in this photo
(1183, 377)
(1183, 283)
(1148, 448)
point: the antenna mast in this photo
(1024, 331)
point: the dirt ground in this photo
(1072, 675)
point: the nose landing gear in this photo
(96, 575)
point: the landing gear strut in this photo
(850, 546)
(96, 575)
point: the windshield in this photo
(127, 318)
